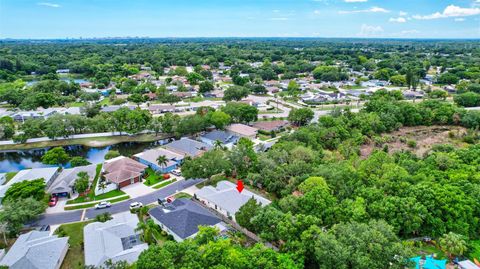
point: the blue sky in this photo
(240, 18)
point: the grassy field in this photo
(165, 183)
(90, 205)
(75, 104)
(75, 254)
(9, 176)
(89, 142)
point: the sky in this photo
(47, 19)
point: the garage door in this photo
(124, 183)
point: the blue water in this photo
(32, 82)
(11, 161)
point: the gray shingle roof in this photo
(226, 196)
(66, 179)
(103, 241)
(221, 136)
(188, 146)
(36, 250)
(184, 218)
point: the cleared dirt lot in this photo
(424, 136)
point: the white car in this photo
(135, 205)
(176, 172)
(103, 205)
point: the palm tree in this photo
(217, 144)
(102, 186)
(147, 228)
(142, 212)
(162, 161)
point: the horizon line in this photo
(235, 37)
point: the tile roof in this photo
(122, 168)
(242, 129)
(270, 125)
(36, 250)
(184, 217)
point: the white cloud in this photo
(459, 19)
(409, 32)
(399, 20)
(46, 4)
(370, 30)
(316, 12)
(450, 11)
(355, 1)
(370, 10)
(402, 13)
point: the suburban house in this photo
(242, 130)
(226, 199)
(150, 157)
(269, 126)
(63, 185)
(47, 174)
(182, 217)
(123, 171)
(226, 139)
(38, 114)
(158, 109)
(188, 147)
(114, 240)
(36, 250)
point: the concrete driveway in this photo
(137, 190)
(58, 207)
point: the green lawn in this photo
(88, 141)
(107, 195)
(75, 104)
(152, 178)
(182, 195)
(9, 176)
(105, 101)
(119, 199)
(75, 255)
(165, 183)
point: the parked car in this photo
(135, 205)
(176, 172)
(166, 176)
(53, 201)
(164, 201)
(103, 205)
(44, 228)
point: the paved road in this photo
(72, 216)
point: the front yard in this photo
(152, 178)
(88, 198)
(75, 255)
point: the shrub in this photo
(412, 143)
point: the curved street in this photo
(76, 215)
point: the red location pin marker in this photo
(239, 186)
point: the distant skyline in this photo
(49, 19)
